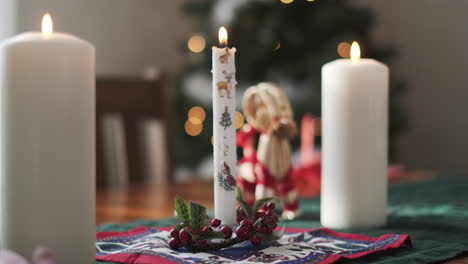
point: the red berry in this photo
(215, 222)
(227, 230)
(273, 225)
(272, 219)
(242, 232)
(247, 223)
(260, 214)
(185, 235)
(239, 219)
(205, 229)
(271, 206)
(265, 229)
(175, 233)
(255, 240)
(243, 213)
(174, 243)
(270, 213)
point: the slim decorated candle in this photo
(354, 142)
(224, 130)
(47, 189)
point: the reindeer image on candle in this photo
(225, 85)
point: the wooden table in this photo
(153, 202)
(148, 202)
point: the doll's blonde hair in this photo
(267, 108)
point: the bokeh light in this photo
(196, 43)
(310, 0)
(193, 129)
(344, 49)
(239, 120)
(286, 1)
(196, 115)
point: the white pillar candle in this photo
(354, 159)
(47, 135)
(224, 131)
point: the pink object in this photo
(308, 154)
(396, 171)
(41, 255)
(10, 257)
(307, 174)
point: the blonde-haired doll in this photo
(267, 109)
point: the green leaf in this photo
(212, 235)
(197, 216)
(260, 203)
(257, 222)
(239, 195)
(281, 232)
(182, 210)
(273, 236)
(242, 203)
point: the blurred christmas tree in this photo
(285, 42)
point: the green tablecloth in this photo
(433, 212)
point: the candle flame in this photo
(355, 51)
(223, 36)
(47, 24)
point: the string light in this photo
(344, 49)
(193, 129)
(239, 120)
(196, 115)
(196, 44)
(286, 1)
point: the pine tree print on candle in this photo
(226, 120)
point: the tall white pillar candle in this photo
(224, 131)
(47, 126)
(354, 142)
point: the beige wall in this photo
(129, 35)
(7, 18)
(432, 37)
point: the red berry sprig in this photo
(258, 225)
(197, 231)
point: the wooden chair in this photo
(132, 121)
